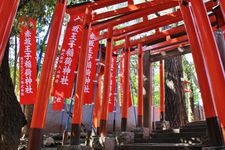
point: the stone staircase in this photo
(192, 136)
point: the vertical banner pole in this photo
(211, 58)
(43, 92)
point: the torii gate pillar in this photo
(214, 130)
(43, 92)
(106, 83)
(126, 87)
(140, 85)
(212, 61)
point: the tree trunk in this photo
(28, 111)
(174, 94)
(11, 116)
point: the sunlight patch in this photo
(170, 84)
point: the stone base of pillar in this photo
(109, 143)
(125, 138)
(104, 143)
(141, 133)
(96, 143)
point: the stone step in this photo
(165, 140)
(191, 127)
(158, 140)
(196, 123)
(189, 140)
(162, 146)
(178, 135)
(163, 131)
(194, 129)
(182, 130)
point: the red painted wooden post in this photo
(79, 99)
(97, 106)
(214, 131)
(106, 83)
(140, 85)
(211, 57)
(2, 5)
(43, 92)
(222, 5)
(126, 86)
(162, 91)
(8, 11)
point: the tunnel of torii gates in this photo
(195, 36)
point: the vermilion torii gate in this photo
(196, 33)
(7, 11)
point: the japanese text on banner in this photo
(68, 61)
(91, 68)
(27, 59)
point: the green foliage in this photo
(39, 10)
(190, 75)
(156, 84)
(72, 2)
(134, 78)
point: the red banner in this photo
(122, 81)
(91, 68)
(28, 64)
(68, 59)
(58, 101)
(112, 84)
